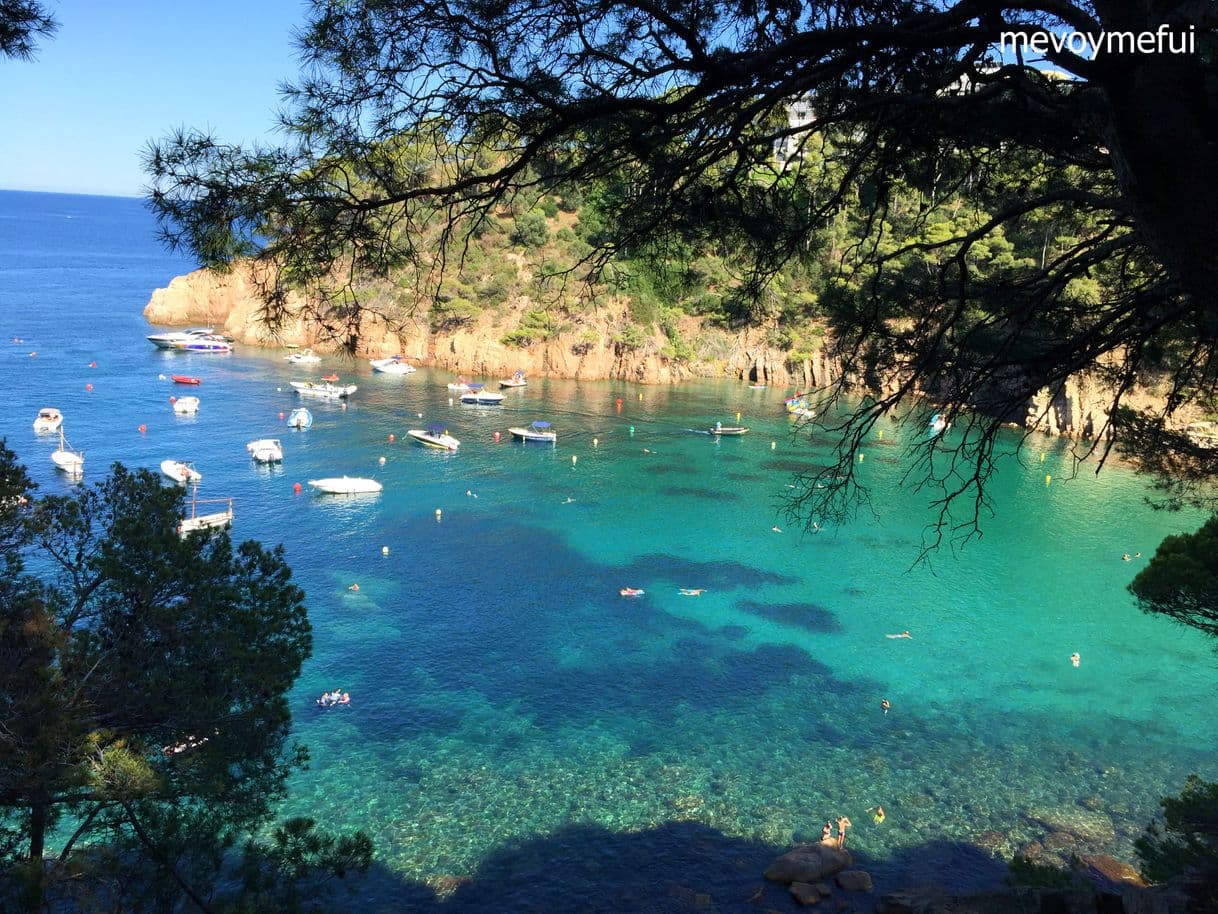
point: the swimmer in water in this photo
(354, 588)
(1125, 557)
(569, 500)
(904, 634)
(879, 815)
(885, 704)
(1075, 658)
(692, 591)
(776, 529)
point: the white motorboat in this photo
(393, 365)
(186, 406)
(460, 385)
(325, 390)
(300, 418)
(180, 472)
(304, 357)
(266, 450)
(208, 343)
(49, 419)
(516, 380)
(70, 461)
(538, 431)
(210, 521)
(179, 338)
(720, 429)
(346, 485)
(481, 397)
(436, 436)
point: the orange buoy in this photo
(296, 488)
(392, 438)
(88, 387)
(281, 415)
(143, 428)
(92, 364)
(496, 437)
(173, 400)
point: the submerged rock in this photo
(804, 893)
(854, 880)
(1109, 874)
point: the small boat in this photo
(186, 406)
(435, 436)
(393, 365)
(728, 429)
(327, 390)
(330, 378)
(266, 450)
(212, 521)
(180, 472)
(632, 591)
(70, 461)
(538, 431)
(49, 419)
(300, 418)
(303, 357)
(798, 406)
(185, 379)
(516, 380)
(460, 385)
(346, 485)
(937, 425)
(477, 395)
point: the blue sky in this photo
(121, 72)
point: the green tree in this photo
(1181, 579)
(1185, 842)
(143, 682)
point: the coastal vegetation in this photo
(143, 712)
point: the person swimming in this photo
(904, 634)
(879, 816)
(692, 591)
(885, 704)
(1075, 659)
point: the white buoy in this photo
(773, 444)
(279, 389)
(574, 460)
(381, 461)
(450, 401)
(420, 415)
(438, 513)
(594, 442)
(384, 550)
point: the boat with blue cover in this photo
(538, 431)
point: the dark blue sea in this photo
(521, 738)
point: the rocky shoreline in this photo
(587, 349)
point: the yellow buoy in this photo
(737, 417)
(1048, 479)
(594, 442)
(1042, 458)
(881, 434)
(384, 550)
(574, 459)
(640, 396)
(438, 513)
(773, 444)
(860, 458)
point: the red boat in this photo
(185, 379)
(330, 377)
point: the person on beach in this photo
(842, 824)
(826, 833)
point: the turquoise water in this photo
(516, 721)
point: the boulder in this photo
(1109, 874)
(854, 880)
(1087, 826)
(804, 893)
(808, 863)
(922, 899)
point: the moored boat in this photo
(49, 419)
(266, 450)
(210, 521)
(303, 357)
(479, 396)
(516, 380)
(185, 379)
(436, 436)
(326, 389)
(186, 406)
(177, 339)
(719, 429)
(346, 485)
(537, 431)
(460, 385)
(300, 418)
(392, 365)
(70, 461)
(180, 472)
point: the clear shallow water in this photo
(516, 721)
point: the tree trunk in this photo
(36, 891)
